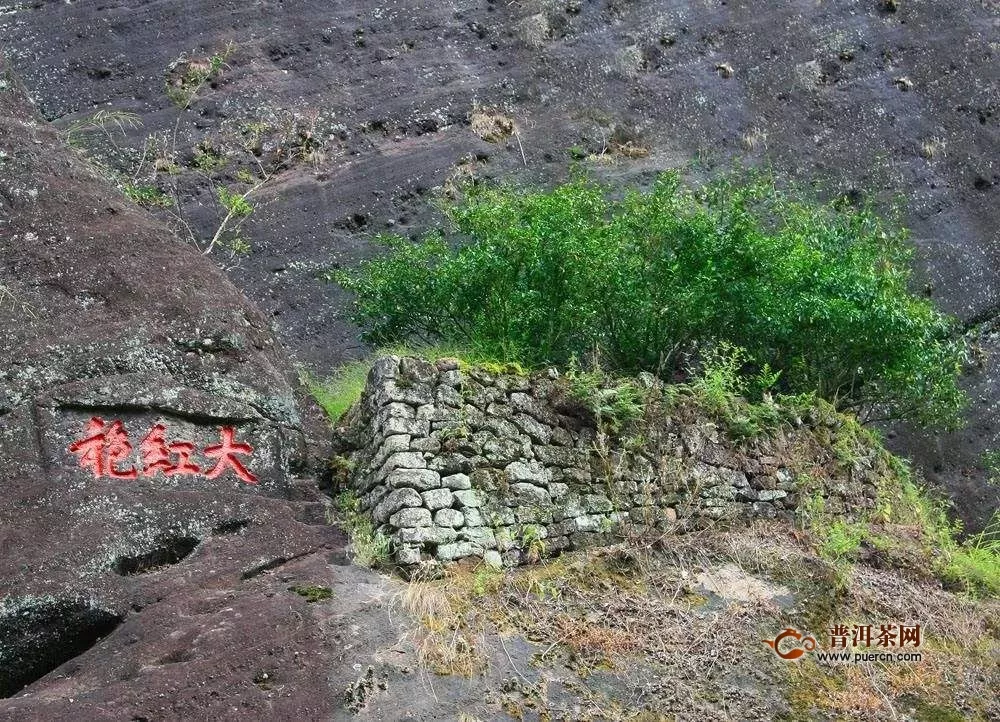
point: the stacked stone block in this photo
(454, 462)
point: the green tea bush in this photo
(816, 295)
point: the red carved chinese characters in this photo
(105, 450)
(156, 453)
(226, 453)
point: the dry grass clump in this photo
(491, 125)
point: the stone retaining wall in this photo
(453, 462)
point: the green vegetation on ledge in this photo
(815, 295)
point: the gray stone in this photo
(560, 528)
(448, 517)
(719, 512)
(373, 497)
(483, 536)
(393, 502)
(645, 514)
(561, 437)
(391, 445)
(558, 490)
(715, 455)
(736, 479)
(532, 472)
(556, 544)
(448, 363)
(427, 535)
(577, 476)
(416, 370)
(425, 445)
(448, 395)
(437, 499)
(719, 492)
(449, 464)
(499, 410)
(640, 468)
(419, 479)
(523, 493)
(590, 523)
(771, 494)
(596, 503)
(572, 505)
(492, 558)
(458, 550)
(407, 555)
(500, 452)
(501, 428)
(524, 402)
(457, 481)
(473, 517)
(499, 516)
(407, 518)
(587, 540)
(384, 368)
(561, 456)
(433, 412)
(763, 510)
(482, 397)
(394, 410)
(414, 394)
(470, 498)
(533, 514)
(505, 538)
(539, 433)
(451, 377)
(414, 427)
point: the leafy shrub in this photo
(815, 294)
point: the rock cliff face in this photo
(455, 462)
(873, 100)
(148, 429)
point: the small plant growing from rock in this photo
(614, 403)
(532, 544)
(147, 195)
(370, 547)
(312, 593)
(104, 121)
(186, 77)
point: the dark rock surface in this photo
(105, 315)
(163, 597)
(862, 100)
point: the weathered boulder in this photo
(148, 430)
